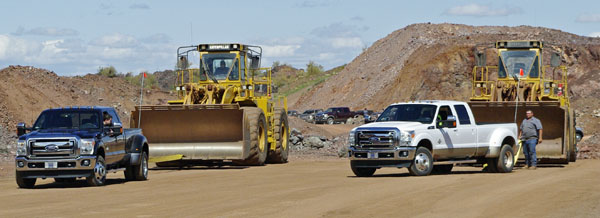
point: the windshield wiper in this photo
(209, 74)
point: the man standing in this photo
(530, 134)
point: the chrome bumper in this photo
(399, 153)
(25, 164)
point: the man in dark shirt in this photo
(530, 134)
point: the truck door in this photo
(465, 132)
(455, 144)
(118, 147)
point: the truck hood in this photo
(398, 125)
(61, 133)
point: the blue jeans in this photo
(529, 152)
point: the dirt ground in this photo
(317, 188)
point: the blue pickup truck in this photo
(79, 142)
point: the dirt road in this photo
(319, 188)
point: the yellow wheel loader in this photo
(225, 111)
(521, 82)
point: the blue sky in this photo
(78, 37)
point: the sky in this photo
(79, 37)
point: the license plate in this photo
(372, 155)
(51, 165)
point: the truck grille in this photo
(51, 148)
(376, 139)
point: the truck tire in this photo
(281, 135)
(362, 171)
(98, 177)
(422, 164)
(330, 121)
(138, 172)
(24, 183)
(505, 162)
(442, 169)
(256, 127)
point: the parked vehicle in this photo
(309, 115)
(69, 143)
(292, 113)
(578, 133)
(334, 115)
(430, 136)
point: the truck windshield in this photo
(67, 120)
(422, 113)
(220, 65)
(514, 62)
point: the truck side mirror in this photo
(449, 122)
(117, 129)
(480, 58)
(21, 129)
(555, 60)
(255, 64)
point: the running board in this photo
(454, 162)
(116, 170)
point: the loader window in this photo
(517, 62)
(219, 64)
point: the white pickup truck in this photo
(430, 136)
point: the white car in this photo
(431, 136)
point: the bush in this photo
(108, 71)
(313, 68)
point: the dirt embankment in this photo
(26, 91)
(434, 61)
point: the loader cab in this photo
(519, 59)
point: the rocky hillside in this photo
(434, 61)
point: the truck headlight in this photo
(351, 138)
(406, 137)
(86, 146)
(21, 148)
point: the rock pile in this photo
(300, 143)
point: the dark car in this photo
(75, 142)
(309, 115)
(334, 115)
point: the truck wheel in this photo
(506, 161)
(422, 165)
(65, 180)
(138, 172)
(362, 171)
(24, 183)
(98, 177)
(281, 134)
(256, 127)
(442, 169)
(330, 121)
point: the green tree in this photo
(109, 71)
(313, 68)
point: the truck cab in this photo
(74, 142)
(428, 136)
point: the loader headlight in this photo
(21, 148)
(351, 138)
(87, 146)
(406, 137)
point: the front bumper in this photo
(321, 119)
(396, 157)
(69, 167)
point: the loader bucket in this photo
(197, 132)
(556, 121)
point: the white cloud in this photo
(588, 18)
(279, 50)
(351, 42)
(46, 31)
(478, 10)
(116, 40)
(140, 6)
(594, 34)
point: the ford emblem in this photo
(51, 147)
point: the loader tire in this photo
(256, 138)
(281, 135)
